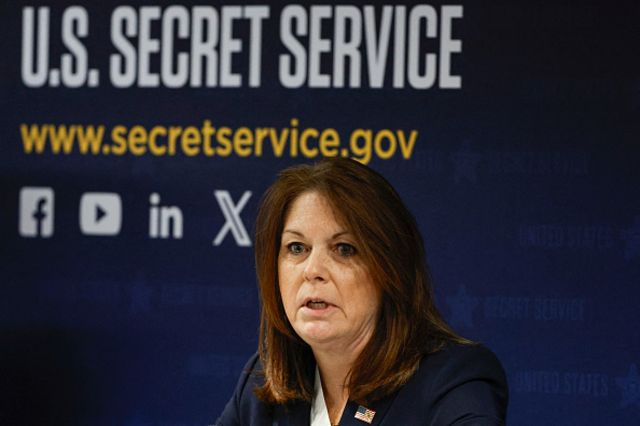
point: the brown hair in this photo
(391, 247)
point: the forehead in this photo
(312, 209)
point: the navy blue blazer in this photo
(460, 385)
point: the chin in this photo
(314, 336)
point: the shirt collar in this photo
(319, 415)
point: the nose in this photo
(315, 269)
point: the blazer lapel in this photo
(292, 415)
(380, 407)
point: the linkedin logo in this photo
(36, 212)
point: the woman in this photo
(349, 332)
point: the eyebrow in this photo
(300, 234)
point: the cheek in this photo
(367, 294)
(286, 284)
(367, 307)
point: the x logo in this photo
(233, 222)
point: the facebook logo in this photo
(36, 212)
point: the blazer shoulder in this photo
(458, 385)
(464, 362)
(244, 407)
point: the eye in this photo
(295, 248)
(345, 250)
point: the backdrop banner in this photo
(137, 140)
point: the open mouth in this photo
(317, 304)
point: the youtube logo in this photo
(100, 213)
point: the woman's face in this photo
(327, 292)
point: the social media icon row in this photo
(100, 213)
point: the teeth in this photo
(317, 305)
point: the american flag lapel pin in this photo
(365, 414)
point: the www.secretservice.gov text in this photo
(222, 141)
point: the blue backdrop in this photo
(137, 140)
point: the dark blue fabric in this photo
(460, 385)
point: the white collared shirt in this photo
(319, 414)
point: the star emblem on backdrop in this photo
(462, 306)
(140, 302)
(465, 163)
(630, 387)
(631, 237)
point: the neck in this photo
(335, 366)
(334, 372)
